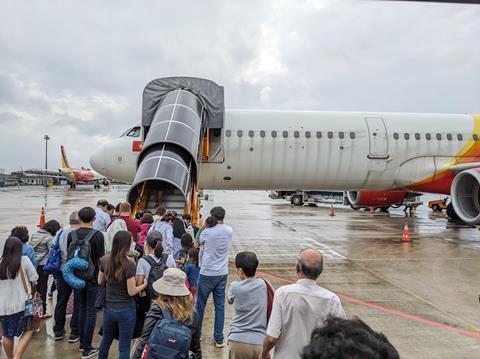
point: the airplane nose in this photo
(97, 161)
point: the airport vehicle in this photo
(187, 141)
(299, 198)
(80, 175)
(437, 205)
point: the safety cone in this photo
(331, 211)
(372, 210)
(406, 233)
(42, 218)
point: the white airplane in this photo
(182, 146)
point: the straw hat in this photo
(172, 283)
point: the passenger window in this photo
(239, 133)
(428, 136)
(307, 134)
(296, 134)
(319, 134)
(262, 133)
(449, 136)
(250, 133)
(417, 136)
(274, 134)
(459, 137)
(475, 137)
(285, 134)
(406, 136)
(228, 133)
(352, 135)
(438, 136)
(330, 134)
(396, 136)
(341, 134)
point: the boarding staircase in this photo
(178, 114)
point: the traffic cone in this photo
(406, 233)
(42, 218)
(331, 211)
(372, 210)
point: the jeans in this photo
(215, 285)
(87, 314)
(64, 292)
(124, 318)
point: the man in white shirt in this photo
(299, 308)
(216, 242)
(102, 219)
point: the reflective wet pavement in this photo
(423, 295)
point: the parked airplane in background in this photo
(376, 157)
(80, 175)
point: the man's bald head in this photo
(310, 263)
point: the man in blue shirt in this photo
(21, 232)
(216, 242)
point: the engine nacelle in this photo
(360, 199)
(465, 192)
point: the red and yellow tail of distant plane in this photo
(77, 175)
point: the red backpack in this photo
(270, 295)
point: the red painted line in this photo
(395, 312)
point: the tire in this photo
(451, 212)
(297, 200)
(384, 209)
(436, 208)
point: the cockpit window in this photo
(133, 132)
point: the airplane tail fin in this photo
(65, 163)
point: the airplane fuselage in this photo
(308, 150)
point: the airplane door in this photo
(377, 134)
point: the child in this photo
(192, 270)
(181, 257)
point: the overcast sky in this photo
(76, 69)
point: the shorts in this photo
(237, 350)
(12, 324)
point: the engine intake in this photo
(465, 192)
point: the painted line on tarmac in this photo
(395, 312)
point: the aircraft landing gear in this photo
(73, 185)
(451, 213)
(96, 186)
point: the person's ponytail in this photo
(158, 249)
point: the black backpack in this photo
(156, 272)
(82, 249)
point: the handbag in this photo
(101, 295)
(33, 308)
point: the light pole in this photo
(46, 138)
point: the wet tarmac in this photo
(422, 295)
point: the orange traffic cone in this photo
(42, 218)
(331, 211)
(372, 210)
(406, 233)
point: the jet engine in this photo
(359, 199)
(465, 192)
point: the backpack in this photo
(156, 272)
(81, 249)
(270, 295)
(169, 339)
(54, 259)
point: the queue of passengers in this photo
(152, 276)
